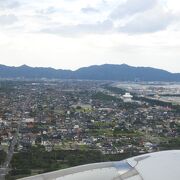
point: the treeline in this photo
(152, 101)
(2, 156)
(156, 102)
(114, 89)
(104, 97)
(171, 144)
(37, 159)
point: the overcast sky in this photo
(69, 34)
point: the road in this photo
(5, 167)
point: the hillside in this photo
(121, 72)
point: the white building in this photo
(127, 97)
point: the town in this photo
(47, 116)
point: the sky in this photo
(69, 34)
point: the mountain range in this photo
(114, 72)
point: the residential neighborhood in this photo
(82, 115)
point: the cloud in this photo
(88, 9)
(131, 7)
(66, 19)
(148, 22)
(49, 10)
(8, 19)
(79, 29)
(8, 4)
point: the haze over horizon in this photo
(70, 34)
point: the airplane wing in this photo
(163, 165)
